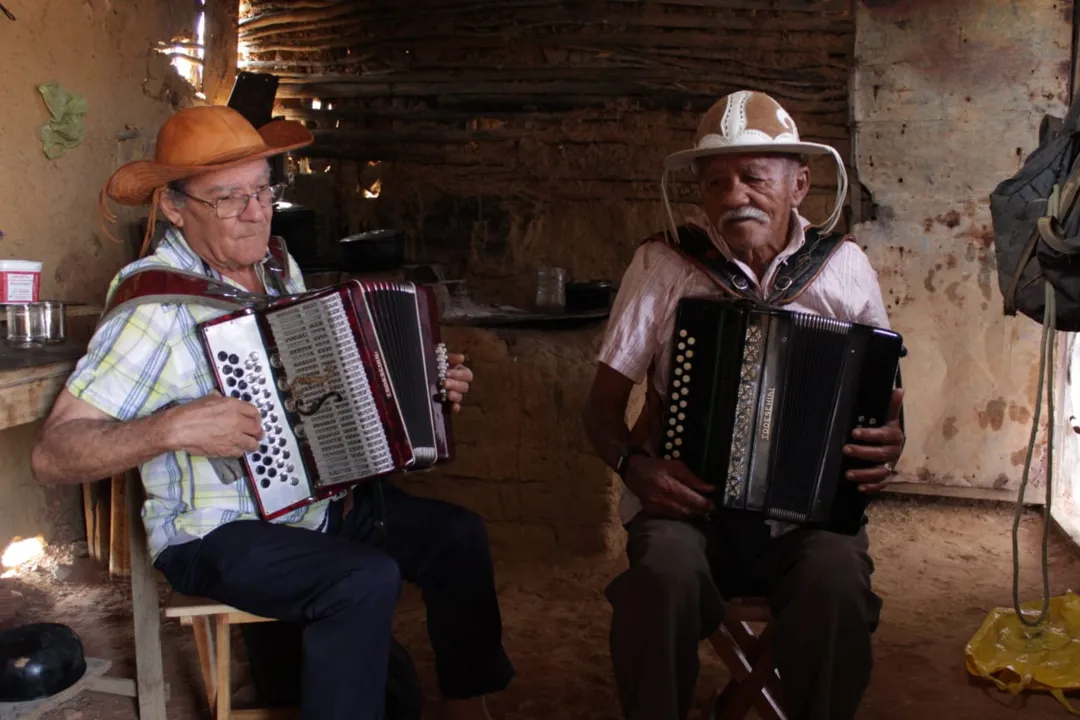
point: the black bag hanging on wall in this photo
(1037, 227)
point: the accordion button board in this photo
(244, 371)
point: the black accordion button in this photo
(234, 359)
(222, 356)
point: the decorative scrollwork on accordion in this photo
(742, 434)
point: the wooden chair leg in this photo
(224, 682)
(150, 676)
(204, 646)
(749, 658)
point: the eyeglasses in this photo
(235, 205)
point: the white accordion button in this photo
(691, 341)
(679, 358)
(675, 454)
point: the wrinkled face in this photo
(230, 243)
(749, 198)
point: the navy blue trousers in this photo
(341, 586)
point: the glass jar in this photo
(35, 324)
(550, 289)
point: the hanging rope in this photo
(1046, 379)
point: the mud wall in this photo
(101, 50)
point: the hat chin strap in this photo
(827, 227)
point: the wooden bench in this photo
(210, 622)
(754, 682)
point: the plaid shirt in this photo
(147, 356)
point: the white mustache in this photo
(747, 212)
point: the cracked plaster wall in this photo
(947, 101)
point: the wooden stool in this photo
(215, 658)
(754, 681)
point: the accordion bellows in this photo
(761, 402)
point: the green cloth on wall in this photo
(65, 130)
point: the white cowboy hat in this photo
(748, 121)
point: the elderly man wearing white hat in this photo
(144, 396)
(746, 239)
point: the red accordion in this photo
(348, 382)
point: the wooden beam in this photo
(144, 605)
(219, 70)
(96, 505)
(119, 554)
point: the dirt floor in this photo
(941, 568)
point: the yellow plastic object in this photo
(1018, 658)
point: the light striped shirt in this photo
(642, 321)
(147, 356)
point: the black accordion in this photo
(762, 401)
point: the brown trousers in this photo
(672, 597)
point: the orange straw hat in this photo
(194, 141)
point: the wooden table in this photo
(32, 378)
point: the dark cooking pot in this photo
(588, 296)
(374, 250)
(38, 661)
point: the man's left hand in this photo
(881, 445)
(458, 378)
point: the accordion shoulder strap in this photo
(801, 268)
(160, 285)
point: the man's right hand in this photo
(214, 426)
(666, 488)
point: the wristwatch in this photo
(624, 459)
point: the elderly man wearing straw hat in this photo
(143, 396)
(747, 238)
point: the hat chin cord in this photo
(830, 223)
(107, 217)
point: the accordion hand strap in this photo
(800, 268)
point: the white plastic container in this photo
(19, 281)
